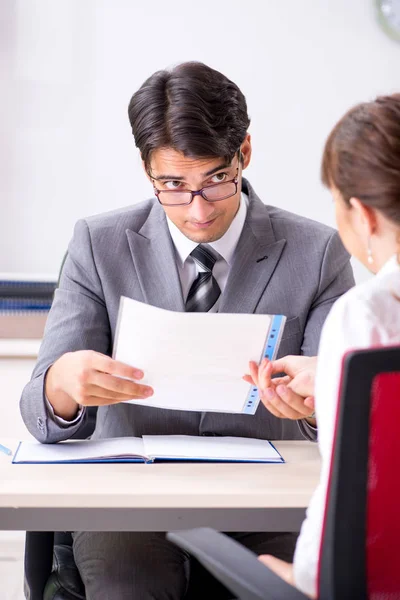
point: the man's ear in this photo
(245, 151)
(365, 216)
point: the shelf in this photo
(19, 348)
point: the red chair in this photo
(360, 550)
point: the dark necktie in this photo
(205, 290)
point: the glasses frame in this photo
(201, 192)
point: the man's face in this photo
(201, 221)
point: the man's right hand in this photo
(88, 378)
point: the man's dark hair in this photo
(192, 109)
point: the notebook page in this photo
(210, 448)
(77, 450)
(193, 361)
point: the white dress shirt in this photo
(188, 270)
(368, 315)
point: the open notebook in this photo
(150, 448)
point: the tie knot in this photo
(205, 256)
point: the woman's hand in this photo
(290, 396)
(280, 567)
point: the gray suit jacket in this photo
(130, 252)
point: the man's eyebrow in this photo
(224, 165)
(204, 175)
(168, 178)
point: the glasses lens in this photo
(174, 198)
(220, 191)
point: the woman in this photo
(361, 167)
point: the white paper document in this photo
(195, 361)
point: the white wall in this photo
(68, 69)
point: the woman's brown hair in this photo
(362, 156)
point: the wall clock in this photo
(389, 17)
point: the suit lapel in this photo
(153, 255)
(255, 259)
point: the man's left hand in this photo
(284, 403)
(277, 395)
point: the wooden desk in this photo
(160, 497)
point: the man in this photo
(204, 242)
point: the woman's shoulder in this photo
(356, 298)
(372, 302)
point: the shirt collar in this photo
(225, 246)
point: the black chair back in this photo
(359, 554)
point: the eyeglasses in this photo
(211, 193)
